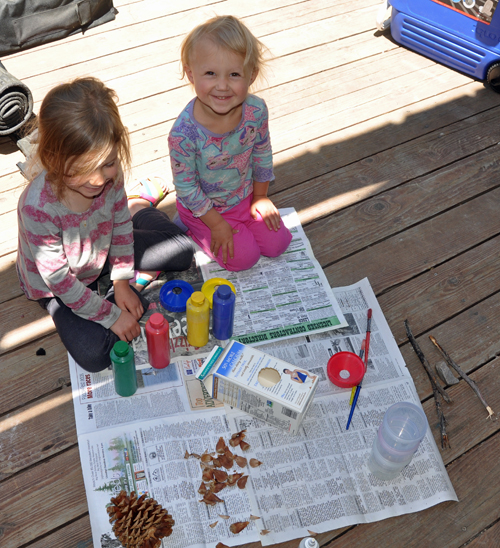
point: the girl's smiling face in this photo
(92, 184)
(219, 78)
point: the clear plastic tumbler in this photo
(398, 437)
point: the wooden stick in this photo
(464, 376)
(434, 382)
(435, 387)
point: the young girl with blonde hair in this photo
(220, 149)
(76, 224)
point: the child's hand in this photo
(127, 299)
(267, 210)
(126, 327)
(222, 237)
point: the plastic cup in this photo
(403, 427)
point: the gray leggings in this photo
(158, 245)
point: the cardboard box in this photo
(259, 384)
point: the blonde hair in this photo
(229, 33)
(79, 119)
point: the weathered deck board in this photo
(54, 492)
(388, 263)
(390, 161)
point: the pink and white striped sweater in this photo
(60, 252)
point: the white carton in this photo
(259, 384)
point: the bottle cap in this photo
(121, 348)
(224, 292)
(174, 295)
(197, 298)
(209, 287)
(156, 320)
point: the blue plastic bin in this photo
(462, 34)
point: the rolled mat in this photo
(16, 103)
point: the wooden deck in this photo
(392, 162)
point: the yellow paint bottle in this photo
(198, 319)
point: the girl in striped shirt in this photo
(76, 223)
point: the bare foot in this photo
(155, 183)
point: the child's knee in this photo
(246, 254)
(242, 261)
(277, 243)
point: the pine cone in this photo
(139, 522)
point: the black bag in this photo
(28, 23)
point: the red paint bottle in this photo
(157, 339)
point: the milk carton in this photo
(259, 384)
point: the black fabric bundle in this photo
(16, 103)
(28, 23)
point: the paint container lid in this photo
(210, 286)
(345, 369)
(174, 295)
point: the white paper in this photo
(284, 296)
(315, 481)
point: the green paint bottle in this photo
(122, 360)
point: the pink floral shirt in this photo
(218, 170)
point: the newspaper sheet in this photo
(284, 296)
(316, 481)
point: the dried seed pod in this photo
(220, 545)
(242, 482)
(212, 525)
(195, 455)
(211, 498)
(240, 434)
(187, 454)
(237, 527)
(254, 463)
(145, 517)
(228, 453)
(221, 445)
(226, 462)
(254, 517)
(244, 445)
(240, 461)
(223, 516)
(234, 442)
(216, 463)
(206, 458)
(233, 478)
(202, 489)
(217, 486)
(208, 474)
(220, 475)
(263, 532)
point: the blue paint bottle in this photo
(223, 313)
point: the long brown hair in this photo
(79, 119)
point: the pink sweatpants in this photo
(252, 240)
